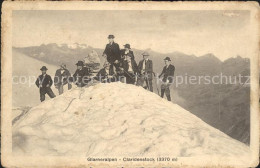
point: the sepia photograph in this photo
(130, 84)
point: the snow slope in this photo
(25, 72)
(117, 119)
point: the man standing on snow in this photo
(61, 78)
(81, 76)
(112, 51)
(167, 73)
(44, 82)
(145, 68)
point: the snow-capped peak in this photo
(118, 119)
(77, 45)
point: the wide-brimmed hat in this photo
(111, 36)
(167, 58)
(43, 68)
(80, 63)
(127, 46)
(63, 65)
(145, 54)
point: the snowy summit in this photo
(117, 119)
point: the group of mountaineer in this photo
(120, 65)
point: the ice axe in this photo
(133, 77)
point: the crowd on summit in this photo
(120, 65)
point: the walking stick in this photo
(135, 78)
(128, 74)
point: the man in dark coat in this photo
(127, 52)
(44, 82)
(168, 74)
(145, 68)
(112, 51)
(81, 76)
(130, 70)
(61, 78)
(106, 74)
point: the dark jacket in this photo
(102, 75)
(125, 66)
(148, 68)
(81, 77)
(61, 78)
(168, 73)
(130, 53)
(43, 81)
(112, 52)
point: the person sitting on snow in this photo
(130, 70)
(167, 73)
(81, 76)
(106, 74)
(44, 83)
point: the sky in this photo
(223, 33)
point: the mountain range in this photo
(224, 106)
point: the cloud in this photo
(224, 34)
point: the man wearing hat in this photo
(127, 52)
(44, 83)
(106, 74)
(61, 78)
(168, 74)
(81, 76)
(130, 69)
(112, 51)
(145, 68)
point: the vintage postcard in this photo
(130, 84)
